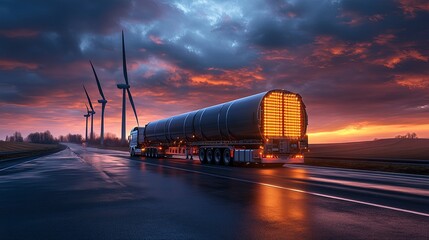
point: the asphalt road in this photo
(103, 194)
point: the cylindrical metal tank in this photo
(241, 119)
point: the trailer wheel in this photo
(217, 156)
(209, 155)
(227, 157)
(202, 155)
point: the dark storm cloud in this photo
(56, 25)
(370, 8)
(59, 16)
(269, 33)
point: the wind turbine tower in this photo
(86, 118)
(125, 87)
(92, 112)
(103, 102)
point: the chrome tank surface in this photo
(235, 120)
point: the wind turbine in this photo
(86, 118)
(103, 102)
(92, 112)
(126, 87)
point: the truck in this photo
(265, 128)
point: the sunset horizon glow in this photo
(361, 67)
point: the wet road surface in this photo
(102, 194)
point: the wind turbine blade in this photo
(89, 99)
(124, 61)
(132, 105)
(98, 82)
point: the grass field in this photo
(10, 150)
(342, 155)
(383, 148)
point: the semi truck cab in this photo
(136, 140)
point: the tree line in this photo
(46, 137)
(43, 137)
(408, 135)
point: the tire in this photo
(217, 156)
(227, 157)
(209, 155)
(202, 155)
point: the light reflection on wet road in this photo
(104, 194)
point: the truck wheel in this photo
(202, 155)
(217, 156)
(209, 155)
(227, 157)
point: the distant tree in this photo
(74, 138)
(408, 136)
(96, 139)
(16, 137)
(110, 139)
(41, 137)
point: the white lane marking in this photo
(6, 168)
(295, 190)
(374, 186)
(358, 171)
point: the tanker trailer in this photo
(267, 128)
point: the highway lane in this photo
(93, 193)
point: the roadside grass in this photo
(355, 154)
(372, 166)
(12, 150)
(384, 148)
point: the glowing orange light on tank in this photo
(282, 115)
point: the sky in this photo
(361, 66)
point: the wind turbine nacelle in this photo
(102, 101)
(123, 86)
